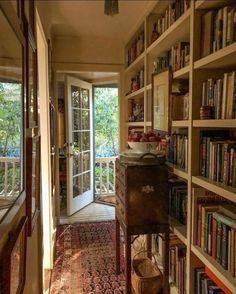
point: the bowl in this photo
(143, 146)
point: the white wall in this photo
(87, 50)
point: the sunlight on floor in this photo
(91, 213)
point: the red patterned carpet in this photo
(85, 260)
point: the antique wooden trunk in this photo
(142, 192)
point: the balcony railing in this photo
(105, 176)
(9, 177)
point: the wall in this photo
(87, 50)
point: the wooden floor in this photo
(92, 213)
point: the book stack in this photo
(178, 192)
(135, 49)
(180, 55)
(220, 94)
(177, 58)
(218, 157)
(172, 13)
(177, 266)
(204, 284)
(218, 29)
(178, 150)
(216, 232)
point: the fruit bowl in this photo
(143, 146)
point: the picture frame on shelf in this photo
(32, 180)
(160, 100)
(13, 261)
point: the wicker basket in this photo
(146, 276)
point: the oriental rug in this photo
(85, 260)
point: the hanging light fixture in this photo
(111, 7)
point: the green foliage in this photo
(106, 122)
(10, 117)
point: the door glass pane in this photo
(85, 141)
(86, 161)
(76, 119)
(77, 163)
(85, 120)
(77, 186)
(86, 182)
(76, 140)
(85, 98)
(75, 96)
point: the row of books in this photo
(171, 14)
(218, 29)
(177, 58)
(178, 192)
(177, 260)
(220, 94)
(204, 284)
(178, 150)
(135, 49)
(218, 157)
(216, 225)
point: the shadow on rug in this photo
(110, 200)
(85, 260)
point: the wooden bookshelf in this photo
(215, 267)
(136, 64)
(180, 123)
(222, 58)
(178, 229)
(136, 94)
(215, 123)
(188, 28)
(206, 4)
(218, 188)
(182, 73)
(178, 31)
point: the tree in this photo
(106, 121)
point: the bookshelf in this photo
(187, 28)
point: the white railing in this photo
(105, 176)
(8, 169)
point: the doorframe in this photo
(48, 233)
(68, 68)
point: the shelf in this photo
(178, 171)
(180, 123)
(179, 31)
(182, 73)
(137, 93)
(206, 4)
(224, 57)
(218, 188)
(135, 124)
(215, 123)
(135, 65)
(223, 275)
(178, 229)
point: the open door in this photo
(79, 144)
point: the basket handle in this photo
(147, 154)
(153, 255)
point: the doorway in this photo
(76, 151)
(106, 138)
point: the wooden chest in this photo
(141, 193)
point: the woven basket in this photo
(146, 276)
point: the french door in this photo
(79, 144)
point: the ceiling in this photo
(87, 19)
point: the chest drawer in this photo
(120, 208)
(120, 190)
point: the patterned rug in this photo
(85, 260)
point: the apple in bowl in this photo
(143, 142)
